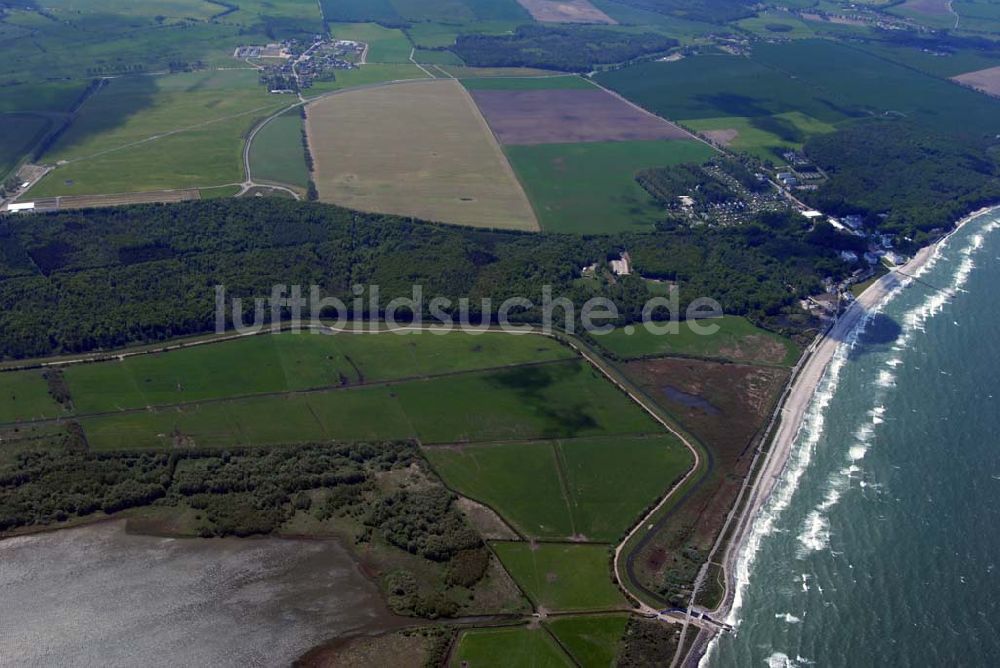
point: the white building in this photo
(20, 207)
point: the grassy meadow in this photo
(737, 340)
(590, 188)
(592, 487)
(385, 45)
(24, 395)
(277, 154)
(562, 577)
(157, 132)
(591, 640)
(519, 646)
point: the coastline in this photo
(807, 376)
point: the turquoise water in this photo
(880, 545)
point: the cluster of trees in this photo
(567, 48)
(665, 184)
(918, 180)
(248, 491)
(103, 278)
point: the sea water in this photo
(880, 544)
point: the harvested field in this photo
(88, 201)
(987, 81)
(722, 137)
(571, 11)
(415, 149)
(568, 116)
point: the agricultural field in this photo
(565, 115)
(277, 154)
(366, 75)
(562, 577)
(368, 156)
(987, 81)
(547, 82)
(564, 399)
(572, 11)
(736, 340)
(763, 137)
(459, 13)
(520, 646)
(385, 45)
(158, 132)
(289, 362)
(18, 134)
(590, 188)
(25, 396)
(585, 488)
(462, 73)
(591, 640)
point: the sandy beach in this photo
(806, 378)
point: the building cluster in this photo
(293, 65)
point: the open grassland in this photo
(49, 97)
(562, 577)
(825, 82)
(591, 640)
(519, 646)
(25, 396)
(277, 153)
(736, 340)
(18, 134)
(149, 133)
(556, 400)
(385, 45)
(366, 75)
(590, 188)
(763, 137)
(416, 149)
(289, 362)
(591, 488)
(777, 24)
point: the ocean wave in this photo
(782, 660)
(815, 533)
(788, 617)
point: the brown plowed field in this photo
(569, 11)
(988, 80)
(560, 116)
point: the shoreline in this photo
(807, 376)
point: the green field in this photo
(719, 87)
(150, 133)
(557, 400)
(429, 57)
(527, 83)
(591, 487)
(24, 395)
(777, 24)
(372, 73)
(592, 640)
(590, 188)
(288, 362)
(766, 136)
(519, 646)
(562, 577)
(277, 154)
(737, 339)
(385, 45)
(18, 134)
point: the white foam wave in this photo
(788, 617)
(816, 532)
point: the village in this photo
(291, 66)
